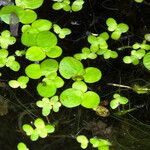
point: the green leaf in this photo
(13, 83)
(29, 37)
(90, 100)
(28, 16)
(46, 90)
(92, 75)
(77, 5)
(70, 67)
(6, 39)
(28, 129)
(79, 85)
(116, 35)
(147, 37)
(122, 27)
(33, 71)
(111, 23)
(23, 80)
(104, 35)
(35, 53)
(57, 6)
(49, 66)
(83, 140)
(71, 97)
(46, 39)
(54, 52)
(39, 123)
(127, 59)
(3, 53)
(146, 61)
(31, 4)
(139, 1)
(22, 146)
(49, 128)
(42, 24)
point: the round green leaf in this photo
(70, 67)
(122, 27)
(46, 90)
(22, 146)
(116, 35)
(90, 100)
(111, 23)
(46, 39)
(80, 85)
(33, 71)
(35, 53)
(48, 66)
(13, 83)
(147, 37)
(28, 17)
(57, 6)
(29, 37)
(31, 4)
(54, 52)
(42, 24)
(146, 60)
(92, 75)
(15, 66)
(3, 53)
(71, 97)
(28, 129)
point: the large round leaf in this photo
(90, 100)
(29, 37)
(42, 24)
(28, 17)
(71, 97)
(35, 53)
(54, 52)
(46, 39)
(70, 67)
(92, 75)
(48, 66)
(46, 90)
(146, 61)
(31, 4)
(33, 71)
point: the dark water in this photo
(129, 132)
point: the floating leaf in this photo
(71, 97)
(31, 4)
(80, 85)
(49, 66)
(35, 53)
(146, 60)
(33, 71)
(46, 90)
(54, 52)
(92, 75)
(70, 67)
(46, 39)
(90, 100)
(42, 24)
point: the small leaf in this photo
(46, 90)
(33, 71)
(71, 97)
(92, 75)
(35, 53)
(90, 100)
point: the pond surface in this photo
(127, 132)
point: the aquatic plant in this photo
(52, 70)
